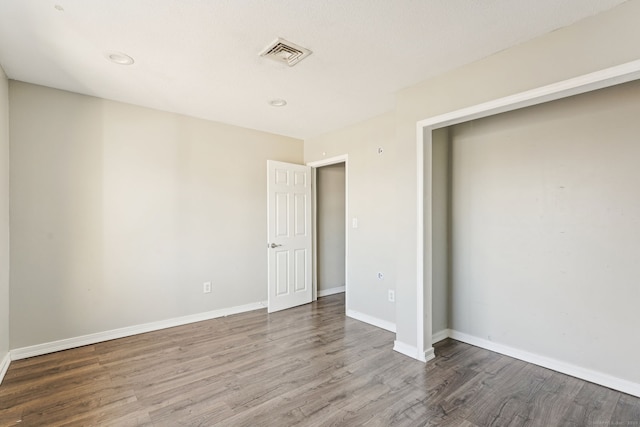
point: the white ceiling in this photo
(200, 57)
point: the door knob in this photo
(273, 245)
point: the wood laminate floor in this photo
(307, 366)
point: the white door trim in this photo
(586, 83)
(344, 158)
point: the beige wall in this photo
(371, 199)
(120, 213)
(599, 42)
(546, 230)
(330, 190)
(4, 215)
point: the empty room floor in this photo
(308, 366)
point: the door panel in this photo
(300, 214)
(282, 213)
(289, 235)
(300, 270)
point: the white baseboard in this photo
(439, 336)
(330, 291)
(428, 354)
(66, 344)
(4, 365)
(391, 327)
(553, 364)
(406, 349)
(412, 352)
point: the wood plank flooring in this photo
(308, 366)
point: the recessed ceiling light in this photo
(59, 8)
(277, 102)
(119, 58)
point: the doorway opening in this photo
(330, 231)
(432, 209)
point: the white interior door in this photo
(289, 235)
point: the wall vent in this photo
(286, 52)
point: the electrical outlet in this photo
(206, 287)
(392, 295)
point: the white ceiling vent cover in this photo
(284, 51)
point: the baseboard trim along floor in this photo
(69, 343)
(595, 377)
(4, 365)
(331, 291)
(386, 325)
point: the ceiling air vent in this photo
(284, 51)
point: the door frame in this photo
(582, 84)
(343, 158)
